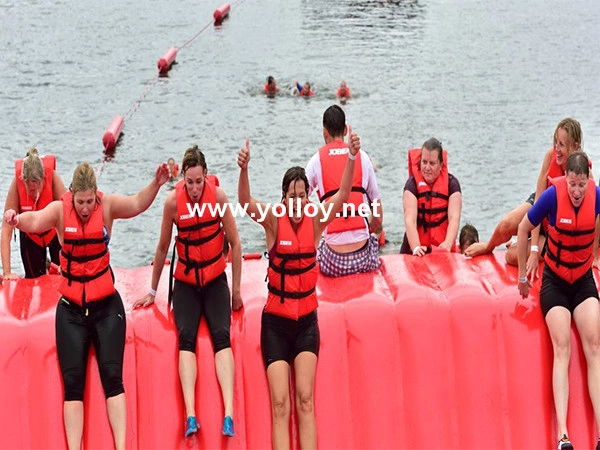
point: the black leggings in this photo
(34, 256)
(101, 323)
(213, 301)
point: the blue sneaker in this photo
(228, 427)
(191, 426)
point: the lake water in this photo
(489, 79)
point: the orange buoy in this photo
(166, 61)
(112, 133)
(221, 12)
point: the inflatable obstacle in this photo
(432, 352)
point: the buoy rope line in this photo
(114, 130)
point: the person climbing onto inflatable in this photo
(350, 243)
(468, 235)
(35, 185)
(90, 310)
(200, 287)
(289, 325)
(432, 201)
(568, 292)
(567, 139)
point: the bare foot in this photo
(476, 249)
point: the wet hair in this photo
(468, 235)
(84, 178)
(573, 129)
(432, 144)
(292, 175)
(270, 80)
(334, 121)
(578, 164)
(193, 157)
(169, 161)
(33, 169)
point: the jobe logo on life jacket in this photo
(186, 216)
(563, 220)
(288, 243)
(71, 229)
(337, 151)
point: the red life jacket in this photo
(27, 203)
(293, 270)
(199, 240)
(346, 92)
(570, 241)
(333, 157)
(432, 201)
(555, 171)
(84, 258)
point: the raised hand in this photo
(353, 141)
(244, 156)
(163, 174)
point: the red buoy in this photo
(112, 133)
(166, 61)
(221, 12)
(247, 256)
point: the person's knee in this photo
(74, 384)
(221, 339)
(111, 375)
(187, 341)
(281, 407)
(304, 402)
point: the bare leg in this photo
(187, 374)
(278, 374)
(505, 230)
(305, 366)
(73, 416)
(587, 320)
(225, 368)
(117, 416)
(558, 320)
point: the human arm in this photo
(533, 261)
(58, 187)
(162, 249)
(454, 212)
(335, 203)
(525, 228)
(233, 237)
(125, 207)
(258, 211)
(410, 206)
(37, 221)
(12, 202)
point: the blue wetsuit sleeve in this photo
(545, 206)
(299, 87)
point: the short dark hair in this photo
(468, 236)
(334, 120)
(578, 163)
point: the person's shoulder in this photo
(411, 184)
